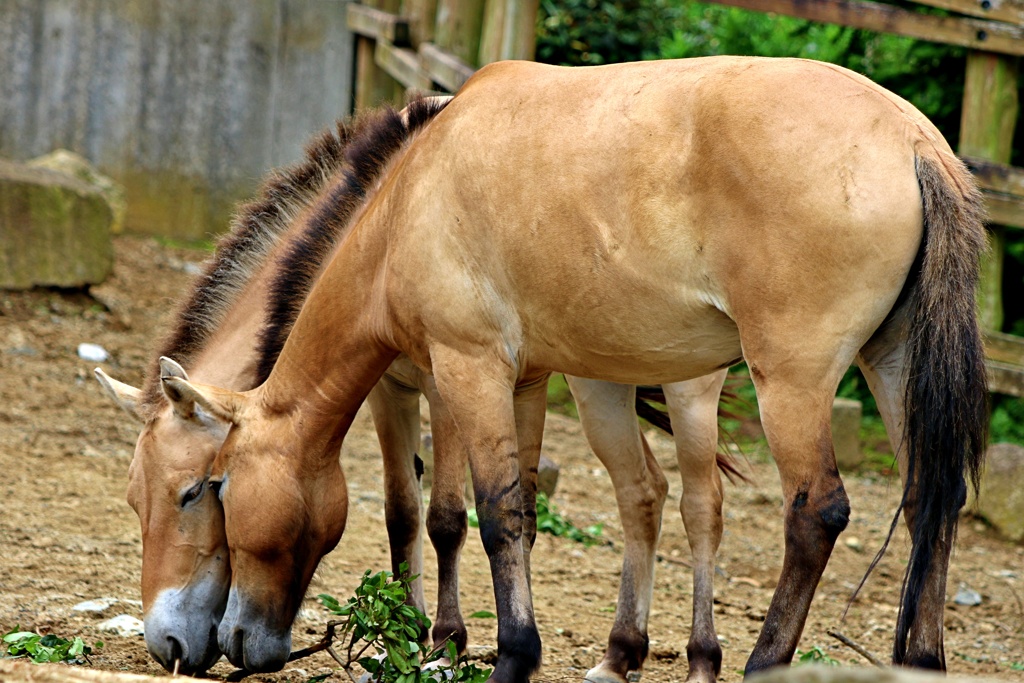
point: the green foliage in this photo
(1017, 666)
(815, 656)
(47, 649)
(560, 399)
(378, 621)
(1007, 424)
(591, 32)
(929, 75)
(550, 521)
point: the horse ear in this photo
(221, 403)
(183, 407)
(124, 395)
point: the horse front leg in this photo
(693, 409)
(396, 417)
(478, 391)
(608, 415)
(446, 518)
(796, 404)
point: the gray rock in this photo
(54, 229)
(547, 476)
(846, 415)
(123, 625)
(97, 606)
(967, 597)
(1001, 497)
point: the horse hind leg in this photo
(608, 416)
(882, 361)
(446, 519)
(396, 417)
(693, 408)
(796, 402)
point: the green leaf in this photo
(483, 614)
(19, 635)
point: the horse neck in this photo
(337, 349)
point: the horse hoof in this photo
(602, 675)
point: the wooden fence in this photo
(434, 45)
(428, 45)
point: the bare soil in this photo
(67, 535)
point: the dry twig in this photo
(856, 648)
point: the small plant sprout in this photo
(47, 649)
(816, 656)
(384, 633)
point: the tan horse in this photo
(635, 223)
(224, 334)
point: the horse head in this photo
(282, 514)
(185, 568)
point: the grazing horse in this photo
(230, 331)
(636, 223)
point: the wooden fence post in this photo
(509, 30)
(986, 132)
(458, 28)
(374, 86)
(421, 15)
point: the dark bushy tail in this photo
(728, 464)
(946, 422)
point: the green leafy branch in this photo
(384, 633)
(816, 656)
(47, 649)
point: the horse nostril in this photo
(235, 648)
(176, 650)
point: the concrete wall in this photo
(185, 102)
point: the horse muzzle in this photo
(181, 629)
(249, 642)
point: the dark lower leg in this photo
(501, 530)
(396, 418)
(446, 526)
(447, 523)
(814, 519)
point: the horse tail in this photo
(946, 394)
(647, 396)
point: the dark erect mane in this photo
(363, 149)
(256, 228)
(376, 139)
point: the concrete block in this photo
(54, 229)
(63, 161)
(1001, 497)
(846, 415)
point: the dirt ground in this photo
(67, 535)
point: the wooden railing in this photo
(434, 45)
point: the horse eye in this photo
(192, 494)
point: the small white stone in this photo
(94, 353)
(98, 605)
(123, 625)
(853, 543)
(967, 597)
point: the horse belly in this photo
(632, 340)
